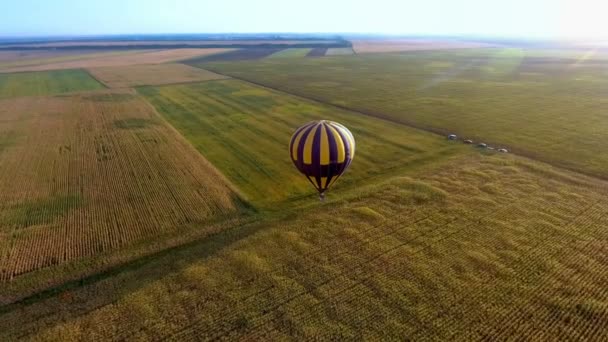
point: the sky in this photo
(505, 18)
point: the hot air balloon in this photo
(322, 151)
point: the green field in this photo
(485, 246)
(549, 108)
(46, 83)
(244, 130)
(293, 52)
(174, 212)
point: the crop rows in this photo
(368, 274)
(393, 244)
(243, 129)
(452, 266)
(91, 173)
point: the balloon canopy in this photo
(322, 151)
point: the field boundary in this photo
(133, 263)
(435, 130)
(95, 78)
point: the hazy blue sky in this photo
(532, 18)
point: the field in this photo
(120, 59)
(135, 43)
(339, 51)
(293, 52)
(236, 55)
(38, 58)
(22, 56)
(168, 208)
(548, 108)
(222, 119)
(152, 74)
(46, 83)
(317, 52)
(85, 174)
(397, 45)
(486, 246)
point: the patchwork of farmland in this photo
(486, 246)
(293, 52)
(548, 108)
(339, 51)
(46, 83)
(152, 74)
(244, 131)
(400, 45)
(121, 59)
(236, 55)
(173, 211)
(10, 60)
(85, 174)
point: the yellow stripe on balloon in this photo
(339, 143)
(308, 145)
(324, 146)
(323, 182)
(296, 144)
(349, 137)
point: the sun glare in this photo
(584, 19)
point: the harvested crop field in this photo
(236, 55)
(317, 52)
(16, 56)
(147, 57)
(488, 246)
(74, 55)
(46, 83)
(82, 175)
(243, 129)
(151, 74)
(173, 42)
(292, 52)
(396, 45)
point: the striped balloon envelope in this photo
(322, 151)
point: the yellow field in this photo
(152, 74)
(84, 174)
(12, 61)
(494, 247)
(147, 57)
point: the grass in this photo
(545, 107)
(46, 83)
(293, 52)
(244, 131)
(487, 246)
